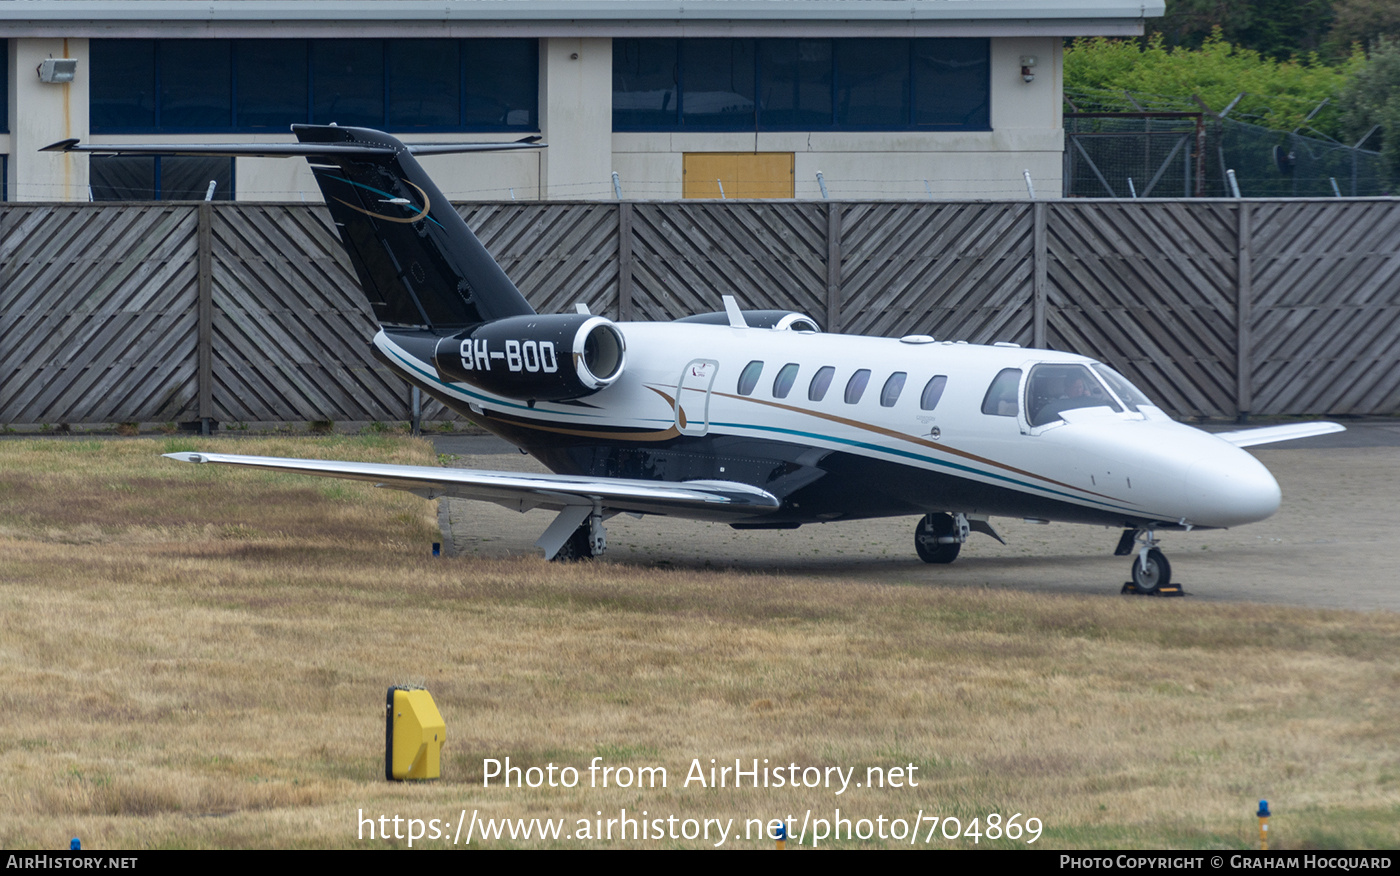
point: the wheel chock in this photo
(1165, 590)
(413, 735)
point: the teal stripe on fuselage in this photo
(932, 460)
(413, 365)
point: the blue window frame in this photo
(802, 85)
(4, 89)
(256, 85)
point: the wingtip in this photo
(185, 457)
(62, 145)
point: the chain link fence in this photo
(1168, 153)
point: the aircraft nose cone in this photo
(1231, 489)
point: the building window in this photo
(4, 88)
(168, 178)
(802, 85)
(256, 85)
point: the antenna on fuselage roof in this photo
(736, 316)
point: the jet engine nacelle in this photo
(539, 357)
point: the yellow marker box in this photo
(413, 735)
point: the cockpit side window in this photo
(1054, 389)
(1000, 400)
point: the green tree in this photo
(1278, 94)
(1372, 98)
(1362, 22)
(1277, 29)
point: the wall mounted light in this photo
(1027, 62)
(57, 70)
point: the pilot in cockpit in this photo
(1056, 389)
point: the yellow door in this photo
(741, 174)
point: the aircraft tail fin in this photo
(417, 261)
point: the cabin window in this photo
(933, 391)
(782, 384)
(748, 378)
(1054, 389)
(855, 387)
(821, 382)
(1000, 400)
(893, 387)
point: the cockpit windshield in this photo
(1131, 395)
(1054, 389)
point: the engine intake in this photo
(540, 357)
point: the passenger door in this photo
(692, 407)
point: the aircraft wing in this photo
(702, 500)
(1270, 434)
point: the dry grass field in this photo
(197, 657)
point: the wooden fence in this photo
(250, 312)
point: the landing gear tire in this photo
(1157, 573)
(578, 547)
(928, 537)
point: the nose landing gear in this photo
(1152, 574)
(939, 537)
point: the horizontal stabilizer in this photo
(1270, 434)
(703, 500)
(287, 150)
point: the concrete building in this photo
(885, 98)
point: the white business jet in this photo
(753, 418)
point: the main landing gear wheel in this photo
(1153, 574)
(586, 542)
(936, 538)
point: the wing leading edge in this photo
(568, 494)
(1271, 434)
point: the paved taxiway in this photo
(1331, 545)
